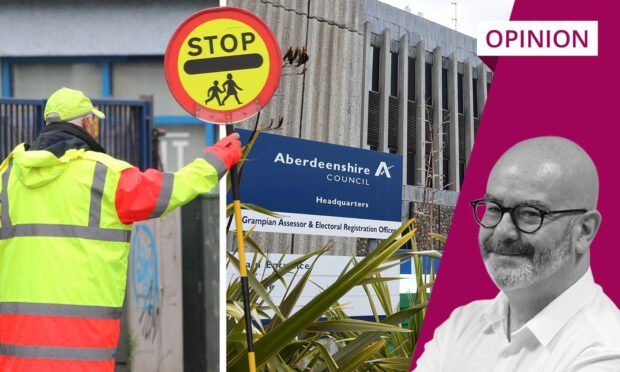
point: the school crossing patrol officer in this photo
(66, 214)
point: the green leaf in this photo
(244, 157)
(279, 273)
(363, 356)
(234, 310)
(430, 253)
(352, 325)
(353, 348)
(440, 237)
(327, 358)
(259, 209)
(383, 294)
(277, 364)
(287, 305)
(254, 246)
(268, 346)
(256, 286)
(238, 338)
(385, 267)
(248, 147)
(371, 302)
(394, 363)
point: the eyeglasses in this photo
(526, 218)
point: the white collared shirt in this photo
(578, 332)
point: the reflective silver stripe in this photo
(65, 231)
(164, 195)
(4, 196)
(55, 352)
(77, 311)
(96, 193)
(216, 162)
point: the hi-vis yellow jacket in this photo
(64, 245)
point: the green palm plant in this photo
(302, 340)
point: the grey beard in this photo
(537, 264)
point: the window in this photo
(446, 173)
(475, 93)
(40, 79)
(410, 168)
(374, 68)
(460, 92)
(394, 74)
(411, 80)
(428, 90)
(444, 88)
(373, 119)
(132, 79)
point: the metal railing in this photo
(124, 134)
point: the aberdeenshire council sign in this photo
(320, 189)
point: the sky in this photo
(468, 12)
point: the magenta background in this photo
(574, 97)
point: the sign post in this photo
(223, 65)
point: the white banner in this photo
(537, 38)
(293, 223)
(325, 272)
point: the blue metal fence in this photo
(125, 133)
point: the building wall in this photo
(323, 104)
(154, 296)
(38, 80)
(382, 16)
(427, 90)
(34, 28)
(112, 49)
(332, 101)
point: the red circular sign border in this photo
(172, 57)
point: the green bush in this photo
(301, 341)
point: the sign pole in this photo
(234, 180)
(222, 66)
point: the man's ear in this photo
(586, 227)
(86, 122)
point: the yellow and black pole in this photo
(252, 68)
(234, 182)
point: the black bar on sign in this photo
(218, 64)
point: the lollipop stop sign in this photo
(223, 65)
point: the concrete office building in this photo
(384, 79)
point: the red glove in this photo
(228, 149)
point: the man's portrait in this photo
(536, 221)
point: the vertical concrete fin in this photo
(384, 90)
(453, 130)
(403, 87)
(365, 84)
(420, 113)
(437, 135)
(482, 88)
(468, 102)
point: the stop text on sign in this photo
(225, 45)
(228, 42)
